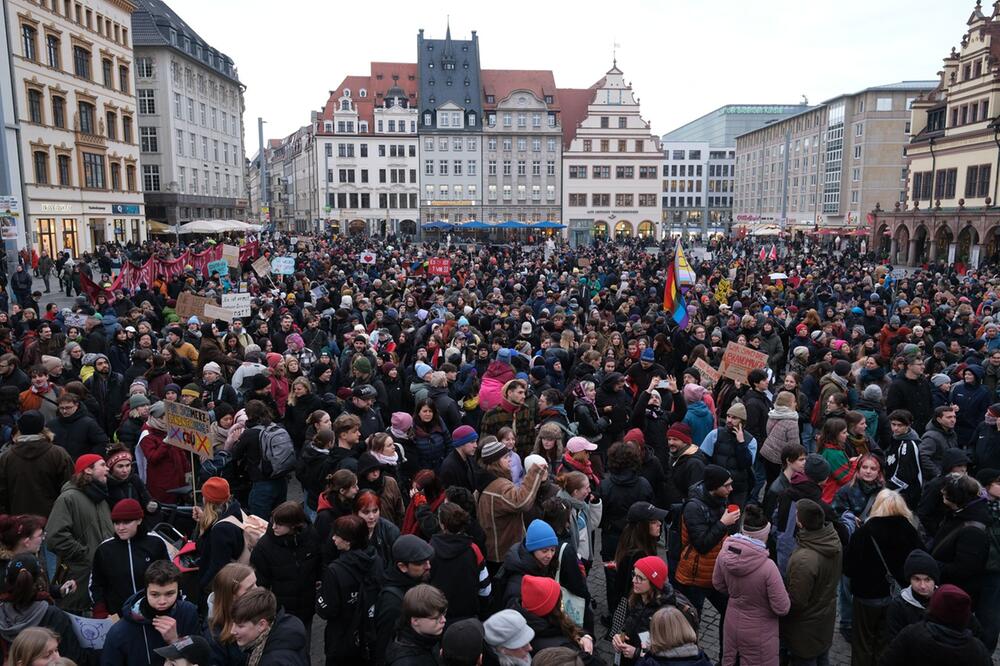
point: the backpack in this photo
(277, 453)
(871, 423)
(363, 632)
(253, 529)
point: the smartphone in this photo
(662, 384)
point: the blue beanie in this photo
(540, 535)
(463, 434)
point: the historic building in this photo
(611, 163)
(522, 146)
(75, 97)
(190, 121)
(451, 128)
(949, 209)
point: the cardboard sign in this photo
(189, 429)
(439, 266)
(220, 266)
(583, 262)
(90, 632)
(215, 312)
(367, 257)
(261, 266)
(231, 253)
(707, 371)
(283, 265)
(78, 320)
(739, 360)
(319, 292)
(190, 305)
(238, 304)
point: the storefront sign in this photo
(125, 209)
(55, 208)
(98, 208)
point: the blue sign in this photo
(220, 266)
(124, 209)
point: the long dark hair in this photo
(635, 537)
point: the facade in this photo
(75, 96)
(190, 121)
(827, 166)
(699, 166)
(367, 153)
(948, 209)
(611, 163)
(521, 150)
(12, 233)
(450, 128)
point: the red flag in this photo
(773, 256)
(93, 290)
(763, 254)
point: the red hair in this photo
(15, 528)
(366, 499)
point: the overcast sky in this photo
(683, 57)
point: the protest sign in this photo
(583, 262)
(75, 320)
(319, 292)
(439, 266)
(722, 290)
(190, 305)
(220, 266)
(238, 304)
(283, 265)
(231, 253)
(215, 312)
(739, 360)
(261, 266)
(367, 257)
(707, 371)
(90, 633)
(189, 429)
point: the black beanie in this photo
(715, 477)
(920, 562)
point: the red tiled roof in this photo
(502, 82)
(574, 109)
(375, 88)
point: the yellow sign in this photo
(722, 290)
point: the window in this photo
(601, 172)
(647, 172)
(577, 199)
(977, 181)
(52, 49)
(550, 168)
(41, 160)
(601, 199)
(127, 129)
(457, 167)
(144, 68)
(190, 105)
(111, 123)
(59, 112)
(428, 167)
(151, 177)
(64, 175)
(147, 101)
(521, 167)
(587, 145)
(522, 144)
(536, 145)
(883, 104)
(148, 140)
(180, 144)
(443, 167)
(86, 114)
(491, 168)
(605, 145)
(536, 168)
(107, 72)
(622, 122)
(93, 171)
(470, 169)
(550, 145)
(646, 200)
(507, 191)
(944, 183)
(123, 78)
(506, 167)
(624, 200)
(35, 106)
(605, 122)
(624, 172)
(507, 145)
(576, 171)
(81, 62)
(859, 129)
(116, 176)
(857, 152)
(130, 177)
(204, 114)
(29, 38)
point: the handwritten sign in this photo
(707, 371)
(189, 305)
(189, 429)
(79, 320)
(367, 257)
(319, 292)
(583, 262)
(215, 312)
(220, 266)
(90, 632)
(439, 266)
(283, 265)
(231, 253)
(238, 304)
(261, 266)
(739, 360)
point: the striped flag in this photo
(673, 299)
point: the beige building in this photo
(828, 165)
(73, 74)
(949, 213)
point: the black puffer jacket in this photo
(78, 434)
(619, 491)
(621, 407)
(286, 644)
(931, 644)
(457, 568)
(340, 602)
(289, 565)
(896, 538)
(389, 607)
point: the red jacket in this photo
(166, 465)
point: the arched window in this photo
(623, 229)
(646, 229)
(345, 105)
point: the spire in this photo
(447, 38)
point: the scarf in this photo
(154, 423)
(256, 648)
(587, 468)
(97, 492)
(654, 412)
(387, 460)
(41, 391)
(580, 394)
(410, 523)
(509, 407)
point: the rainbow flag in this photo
(673, 300)
(685, 274)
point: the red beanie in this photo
(215, 490)
(681, 431)
(635, 435)
(539, 595)
(125, 510)
(86, 461)
(951, 606)
(654, 569)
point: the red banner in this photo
(131, 276)
(439, 266)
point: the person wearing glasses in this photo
(420, 627)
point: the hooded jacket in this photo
(133, 639)
(119, 569)
(389, 607)
(77, 526)
(782, 431)
(935, 441)
(32, 473)
(930, 643)
(220, 545)
(40, 614)
(289, 565)
(972, 401)
(458, 569)
(913, 395)
(896, 538)
(814, 571)
(904, 609)
(621, 407)
(618, 492)
(78, 433)
(961, 547)
(757, 598)
(701, 421)
(341, 599)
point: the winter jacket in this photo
(133, 639)
(166, 465)
(346, 595)
(972, 401)
(935, 441)
(458, 568)
(40, 614)
(500, 508)
(686, 469)
(221, 544)
(119, 570)
(80, 433)
(702, 536)
(634, 620)
(896, 538)
(311, 471)
(931, 644)
(77, 526)
(289, 565)
(829, 384)
(32, 473)
(757, 598)
(409, 648)
(296, 415)
(431, 446)
(913, 395)
(961, 547)
(758, 408)
(621, 408)
(876, 421)
(618, 492)
(699, 418)
(389, 607)
(986, 447)
(814, 571)
(904, 609)
(902, 467)
(588, 422)
(549, 635)
(286, 645)
(521, 421)
(457, 471)
(782, 431)
(447, 408)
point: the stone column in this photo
(932, 251)
(893, 249)
(911, 258)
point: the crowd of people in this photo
(435, 464)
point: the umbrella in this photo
(766, 231)
(778, 276)
(512, 224)
(548, 224)
(438, 224)
(474, 224)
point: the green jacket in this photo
(76, 527)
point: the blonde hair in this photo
(224, 587)
(29, 645)
(210, 513)
(890, 503)
(298, 381)
(668, 629)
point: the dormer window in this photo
(449, 65)
(345, 105)
(472, 120)
(347, 92)
(427, 118)
(362, 93)
(490, 99)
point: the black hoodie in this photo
(348, 584)
(458, 569)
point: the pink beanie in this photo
(693, 393)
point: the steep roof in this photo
(574, 103)
(500, 83)
(152, 22)
(382, 76)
